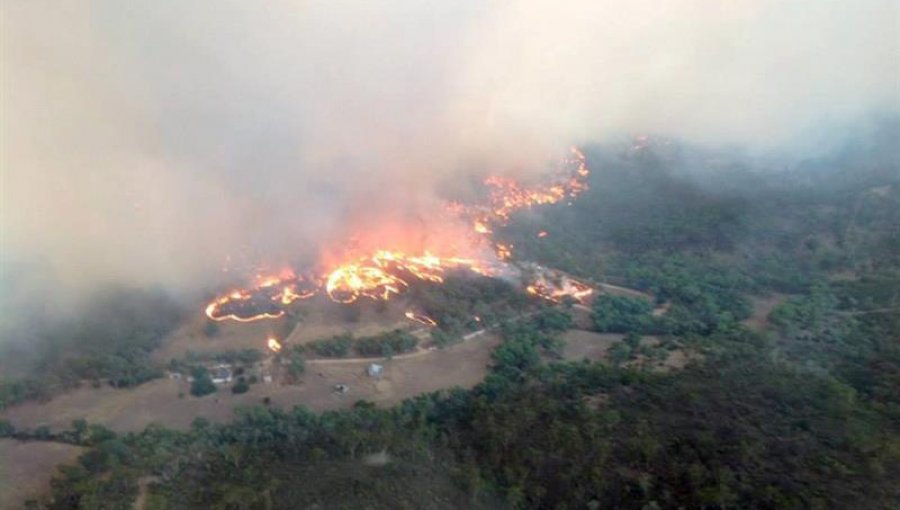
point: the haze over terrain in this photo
(151, 143)
(636, 254)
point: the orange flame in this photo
(213, 310)
(504, 251)
(559, 289)
(508, 195)
(273, 344)
(421, 319)
(347, 283)
(282, 289)
(381, 274)
(481, 227)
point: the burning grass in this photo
(379, 274)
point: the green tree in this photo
(622, 314)
(240, 386)
(79, 429)
(296, 364)
(6, 429)
(552, 319)
(202, 384)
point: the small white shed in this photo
(375, 370)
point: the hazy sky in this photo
(145, 141)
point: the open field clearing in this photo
(588, 345)
(27, 466)
(315, 320)
(595, 347)
(230, 336)
(762, 307)
(463, 365)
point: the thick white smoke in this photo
(147, 142)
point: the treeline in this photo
(79, 433)
(464, 303)
(835, 328)
(242, 356)
(735, 431)
(108, 343)
(385, 344)
(803, 416)
(779, 230)
(700, 294)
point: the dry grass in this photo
(595, 346)
(762, 307)
(588, 344)
(463, 365)
(320, 319)
(26, 469)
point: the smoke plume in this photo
(154, 142)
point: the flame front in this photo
(347, 283)
(263, 300)
(381, 274)
(508, 195)
(555, 287)
(420, 318)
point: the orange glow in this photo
(364, 269)
(273, 344)
(555, 288)
(542, 233)
(421, 319)
(378, 276)
(260, 302)
(508, 195)
(289, 295)
(347, 283)
(214, 309)
(482, 228)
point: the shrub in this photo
(202, 384)
(240, 386)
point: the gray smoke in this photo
(152, 142)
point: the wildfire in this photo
(273, 344)
(556, 287)
(421, 319)
(290, 294)
(504, 251)
(347, 283)
(235, 302)
(263, 300)
(481, 227)
(381, 274)
(508, 195)
(376, 277)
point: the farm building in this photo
(220, 374)
(375, 370)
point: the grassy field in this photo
(588, 345)
(26, 468)
(463, 365)
(314, 320)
